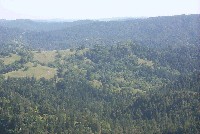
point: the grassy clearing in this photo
(145, 62)
(11, 59)
(67, 52)
(37, 72)
(44, 56)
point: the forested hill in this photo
(34, 25)
(120, 89)
(157, 32)
(137, 76)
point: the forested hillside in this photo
(155, 32)
(122, 84)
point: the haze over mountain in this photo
(121, 76)
(88, 9)
(155, 31)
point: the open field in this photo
(11, 59)
(44, 56)
(37, 72)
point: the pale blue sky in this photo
(94, 9)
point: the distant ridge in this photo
(153, 31)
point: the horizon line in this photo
(95, 19)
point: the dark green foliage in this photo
(173, 112)
(166, 102)
(124, 88)
(156, 32)
(23, 52)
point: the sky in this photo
(95, 9)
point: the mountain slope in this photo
(156, 32)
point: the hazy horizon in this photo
(94, 10)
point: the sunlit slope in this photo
(31, 70)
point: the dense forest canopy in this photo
(155, 32)
(98, 77)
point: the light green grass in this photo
(66, 53)
(44, 56)
(11, 59)
(145, 62)
(37, 72)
